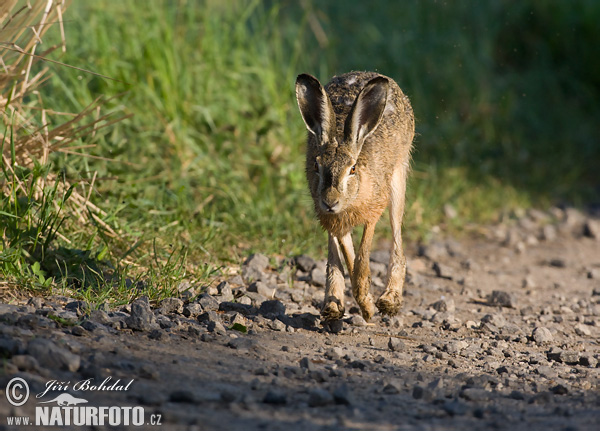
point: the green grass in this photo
(210, 167)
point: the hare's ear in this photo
(315, 107)
(366, 112)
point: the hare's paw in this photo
(367, 308)
(390, 302)
(333, 309)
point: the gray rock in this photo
(276, 325)
(244, 309)
(208, 302)
(307, 364)
(455, 408)
(592, 229)
(421, 393)
(78, 307)
(49, 355)
(36, 302)
(192, 310)
(475, 394)
(582, 330)
(564, 356)
(182, 396)
(396, 344)
(444, 305)
(272, 308)
(587, 360)
(171, 305)
(25, 362)
(334, 326)
(442, 270)
(341, 395)
(225, 291)
(100, 316)
(497, 319)
(334, 353)
(356, 320)
(455, 347)
(262, 289)
(275, 397)
(542, 335)
(318, 397)
(392, 387)
(500, 298)
(216, 327)
(92, 326)
(254, 267)
(559, 390)
(209, 316)
(305, 263)
(548, 233)
(380, 256)
(141, 317)
(558, 263)
(318, 276)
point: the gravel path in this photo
(498, 332)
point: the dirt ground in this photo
(498, 331)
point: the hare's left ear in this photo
(315, 107)
(366, 113)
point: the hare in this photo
(361, 128)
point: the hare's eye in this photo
(353, 170)
(316, 166)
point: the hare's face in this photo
(336, 180)
(333, 164)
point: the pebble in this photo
(141, 317)
(542, 335)
(225, 291)
(192, 310)
(318, 276)
(592, 229)
(207, 302)
(497, 319)
(396, 344)
(244, 309)
(582, 330)
(442, 270)
(357, 320)
(305, 263)
(318, 397)
(307, 364)
(444, 305)
(49, 355)
(342, 395)
(275, 397)
(500, 298)
(254, 267)
(262, 289)
(272, 308)
(171, 305)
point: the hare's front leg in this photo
(333, 306)
(361, 277)
(391, 299)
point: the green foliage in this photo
(211, 163)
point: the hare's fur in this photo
(361, 128)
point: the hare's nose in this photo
(329, 207)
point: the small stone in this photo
(305, 263)
(442, 270)
(444, 305)
(318, 397)
(262, 288)
(419, 392)
(207, 302)
(141, 317)
(244, 309)
(542, 335)
(499, 298)
(25, 362)
(254, 267)
(528, 283)
(272, 308)
(592, 229)
(569, 357)
(216, 327)
(171, 305)
(276, 325)
(182, 396)
(498, 320)
(396, 344)
(392, 387)
(318, 276)
(475, 394)
(307, 364)
(192, 310)
(157, 334)
(559, 390)
(78, 307)
(334, 353)
(357, 320)
(49, 355)
(588, 360)
(225, 291)
(558, 263)
(208, 316)
(36, 302)
(455, 347)
(334, 326)
(455, 408)
(78, 331)
(341, 395)
(100, 316)
(275, 397)
(582, 330)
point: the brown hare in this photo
(361, 128)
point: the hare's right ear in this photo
(315, 107)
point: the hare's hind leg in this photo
(391, 299)
(333, 306)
